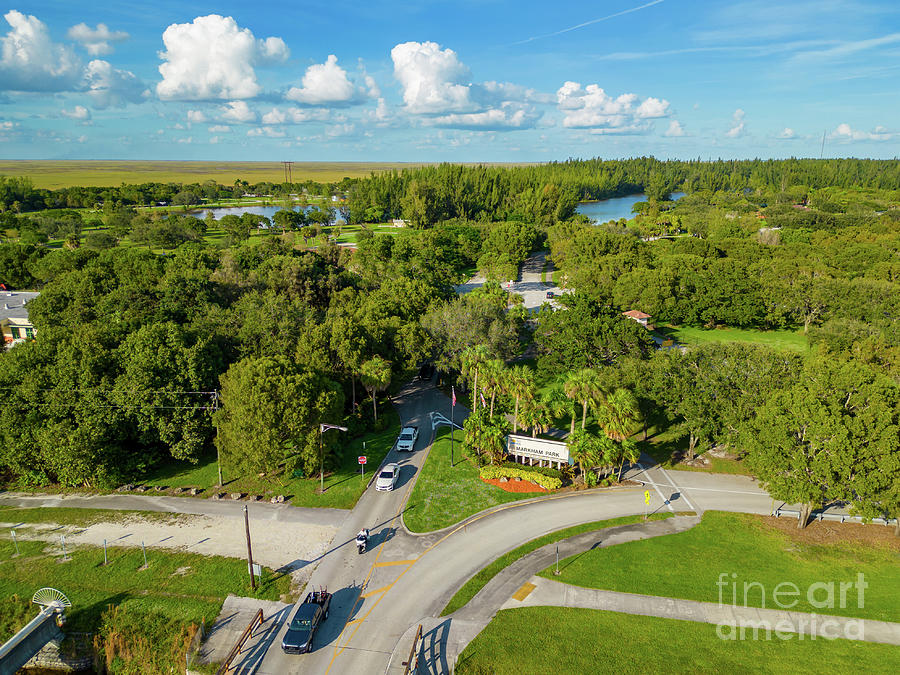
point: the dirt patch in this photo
(826, 532)
(515, 485)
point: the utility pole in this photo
(215, 397)
(322, 429)
(249, 550)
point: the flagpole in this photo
(452, 407)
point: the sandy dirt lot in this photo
(275, 544)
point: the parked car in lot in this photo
(387, 479)
(306, 621)
(406, 441)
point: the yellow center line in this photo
(377, 591)
(338, 651)
(389, 563)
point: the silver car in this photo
(387, 479)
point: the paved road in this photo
(384, 594)
(198, 507)
(355, 639)
(529, 284)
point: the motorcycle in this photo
(362, 541)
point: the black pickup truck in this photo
(306, 620)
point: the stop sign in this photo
(361, 459)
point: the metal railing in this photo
(838, 517)
(412, 663)
(246, 635)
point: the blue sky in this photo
(468, 80)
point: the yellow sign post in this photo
(646, 502)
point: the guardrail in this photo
(837, 517)
(412, 662)
(246, 635)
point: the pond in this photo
(267, 211)
(615, 208)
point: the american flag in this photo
(453, 400)
(483, 402)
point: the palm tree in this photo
(536, 414)
(470, 361)
(630, 453)
(584, 449)
(584, 385)
(618, 414)
(560, 405)
(493, 376)
(375, 375)
(519, 384)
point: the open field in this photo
(760, 555)
(777, 339)
(145, 614)
(534, 640)
(482, 577)
(58, 174)
(444, 495)
(53, 174)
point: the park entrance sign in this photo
(525, 447)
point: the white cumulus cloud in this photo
(196, 116)
(652, 107)
(96, 40)
(436, 85)
(845, 132)
(295, 116)
(219, 128)
(79, 112)
(31, 61)
(433, 80)
(737, 124)
(590, 107)
(111, 87)
(787, 133)
(507, 117)
(238, 111)
(213, 58)
(325, 84)
(675, 129)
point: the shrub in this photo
(493, 472)
(543, 470)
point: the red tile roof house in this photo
(638, 316)
(14, 322)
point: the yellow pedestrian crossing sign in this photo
(646, 496)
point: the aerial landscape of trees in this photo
(157, 343)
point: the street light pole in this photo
(322, 429)
(249, 550)
(215, 397)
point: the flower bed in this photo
(515, 485)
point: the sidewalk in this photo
(547, 592)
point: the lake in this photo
(615, 208)
(267, 211)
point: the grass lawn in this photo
(564, 640)
(444, 495)
(726, 543)
(342, 487)
(665, 437)
(79, 517)
(777, 339)
(143, 618)
(480, 580)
